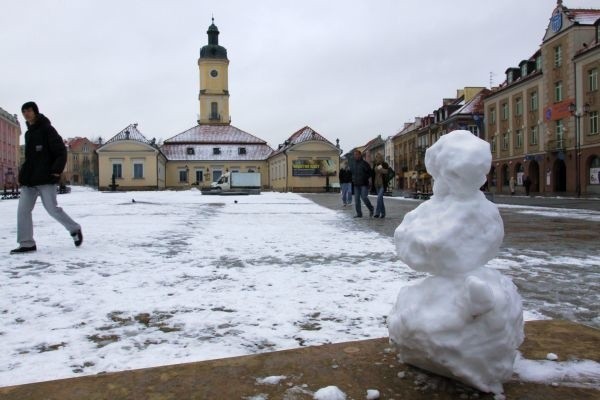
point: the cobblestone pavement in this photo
(553, 258)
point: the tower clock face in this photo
(214, 73)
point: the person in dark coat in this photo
(345, 177)
(45, 159)
(527, 184)
(361, 174)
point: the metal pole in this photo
(577, 159)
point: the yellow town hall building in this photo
(306, 161)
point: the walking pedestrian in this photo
(527, 184)
(361, 174)
(511, 185)
(345, 177)
(45, 159)
(381, 169)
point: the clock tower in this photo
(214, 90)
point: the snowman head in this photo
(459, 162)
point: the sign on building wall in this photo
(311, 167)
(594, 176)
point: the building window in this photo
(183, 176)
(216, 150)
(199, 175)
(509, 77)
(241, 150)
(505, 141)
(494, 144)
(559, 132)
(519, 141)
(593, 79)
(492, 116)
(214, 111)
(519, 106)
(474, 129)
(557, 56)
(538, 63)
(504, 111)
(534, 103)
(558, 92)
(533, 135)
(138, 170)
(524, 70)
(117, 171)
(190, 151)
(594, 123)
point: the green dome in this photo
(212, 49)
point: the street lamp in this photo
(578, 115)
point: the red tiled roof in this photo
(475, 105)
(214, 134)
(303, 135)
(582, 16)
(130, 132)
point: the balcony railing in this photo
(558, 144)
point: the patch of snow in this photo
(329, 393)
(270, 380)
(571, 373)
(372, 394)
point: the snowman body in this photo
(465, 321)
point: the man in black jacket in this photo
(361, 174)
(45, 159)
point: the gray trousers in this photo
(29, 195)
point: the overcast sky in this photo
(348, 69)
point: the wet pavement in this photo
(551, 249)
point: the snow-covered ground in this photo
(177, 277)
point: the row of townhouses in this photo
(541, 122)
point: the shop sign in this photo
(312, 167)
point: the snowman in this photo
(465, 321)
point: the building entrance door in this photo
(534, 174)
(560, 176)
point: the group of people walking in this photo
(361, 176)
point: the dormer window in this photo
(216, 150)
(241, 150)
(509, 77)
(524, 69)
(190, 151)
(538, 63)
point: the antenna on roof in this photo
(213, 18)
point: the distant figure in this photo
(345, 177)
(527, 184)
(511, 185)
(380, 169)
(133, 200)
(45, 159)
(361, 174)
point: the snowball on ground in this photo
(329, 393)
(372, 394)
(270, 380)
